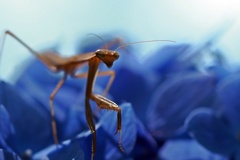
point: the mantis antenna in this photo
(128, 44)
(99, 38)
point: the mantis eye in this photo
(100, 54)
(116, 55)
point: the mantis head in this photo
(107, 56)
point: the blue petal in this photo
(237, 156)
(85, 141)
(31, 122)
(132, 86)
(6, 128)
(75, 123)
(129, 130)
(66, 150)
(79, 146)
(175, 99)
(228, 92)
(186, 150)
(39, 85)
(71, 151)
(167, 59)
(219, 71)
(211, 132)
(5, 155)
(146, 146)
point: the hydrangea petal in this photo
(6, 128)
(186, 149)
(134, 87)
(237, 156)
(70, 151)
(66, 150)
(37, 133)
(211, 132)
(79, 146)
(175, 99)
(129, 130)
(85, 141)
(5, 155)
(166, 59)
(39, 85)
(219, 71)
(146, 146)
(228, 92)
(75, 122)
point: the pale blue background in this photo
(45, 22)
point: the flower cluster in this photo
(175, 105)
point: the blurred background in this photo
(45, 23)
(190, 87)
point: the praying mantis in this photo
(69, 66)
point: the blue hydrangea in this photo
(218, 130)
(155, 99)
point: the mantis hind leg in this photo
(91, 126)
(54, 127)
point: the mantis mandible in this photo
(69, 66)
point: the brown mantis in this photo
(69, 66)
